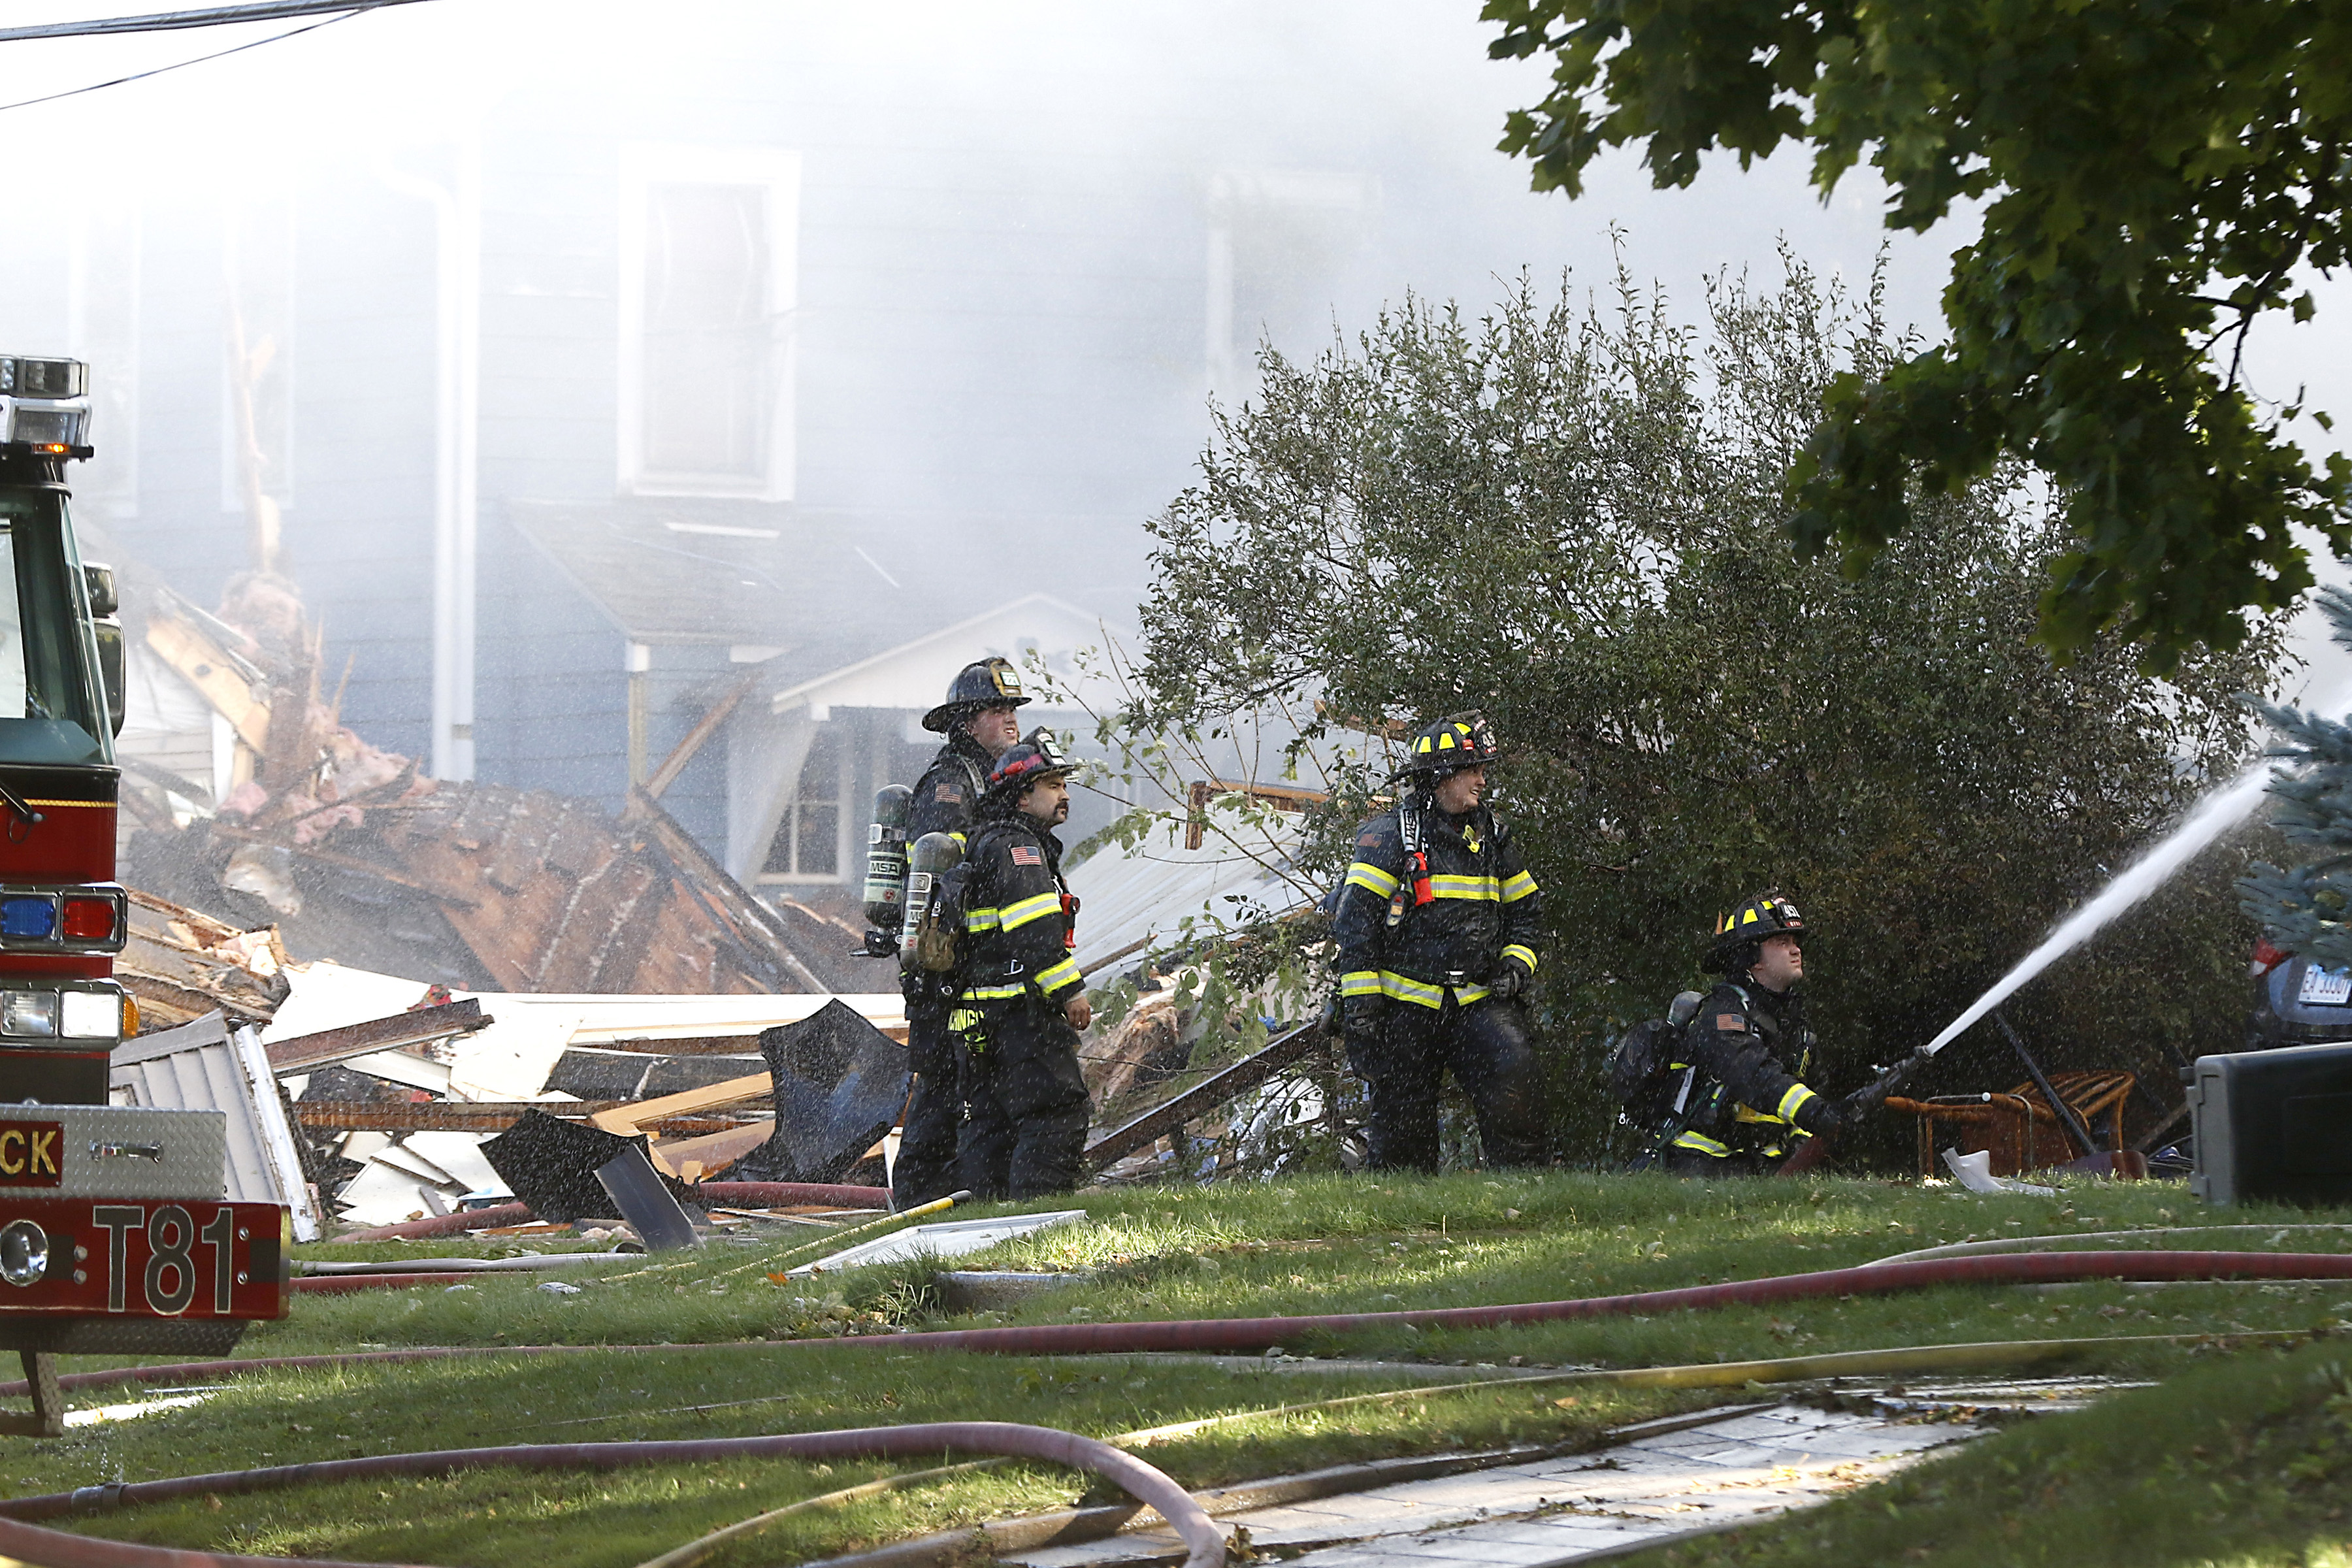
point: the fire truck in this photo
(113, 1235)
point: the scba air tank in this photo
(886, 857)
(924, 943)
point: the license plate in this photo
(2326, 986)
(146, 1258)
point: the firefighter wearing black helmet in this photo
(1436, 928)
(980, 722)
(1748, 1052)
(1021, 1004)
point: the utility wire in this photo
(205, 16)
(347, 12)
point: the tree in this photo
(2154, 177)
(2308, 907)
(1574, 521)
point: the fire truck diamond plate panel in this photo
(112, 1151)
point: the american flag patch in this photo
(1027, 855)
(1731, 1021)
(946, 792)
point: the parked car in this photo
(2296, 1001)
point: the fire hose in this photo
(1255, 1334)
(53, 1549)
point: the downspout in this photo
(456, 445)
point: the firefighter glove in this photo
(1823, 1118)
(1361, 1015)
(1509, 979)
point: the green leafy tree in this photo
(2154, 176)
(2307, 907)
(1573, 520)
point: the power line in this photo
(205, 16)
(348, 13)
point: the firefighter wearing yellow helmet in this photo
(1436, 929)
(1748, 1052)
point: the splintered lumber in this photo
(626, 1119)
(1204, 1097)
(482, 1116)
(713, 1151)
(305, 1052)
(204, 664)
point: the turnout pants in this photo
(1485, 1046)
(926, 1144)
(1026, 1107)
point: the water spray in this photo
(2214, 816)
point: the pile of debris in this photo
(354, 854)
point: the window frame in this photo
(644, 165)
(788, 820)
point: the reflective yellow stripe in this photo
(1016, 916)
(959, 839)
(1063, 973)
(992, 992)
(1465, 994)
(981, 920)
(1522, 952)
(1483, 889)
(1749, 1114)
(1796, 1096)
(1372, 879)
(1397, 988)
(1702, 1144)
(1361, 983)
(1518, 888)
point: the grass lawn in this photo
(2246, 1462)
(690, 1356)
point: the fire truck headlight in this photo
(24, 1253)
(28, 1013)
(91, 1015)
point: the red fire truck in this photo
(113, 1235)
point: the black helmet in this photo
(991, 683)
(1450, 745)
(1037, 757)
(1738, 933)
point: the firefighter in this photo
(1436, 927)
(1021, 1004)
(1748, 1105)
(980, 721)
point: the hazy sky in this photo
(413, 72)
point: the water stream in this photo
(2214, 815)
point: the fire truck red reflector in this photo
(88, 919)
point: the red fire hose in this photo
(1147, 1483)
(1252, 1334)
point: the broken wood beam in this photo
(304, 1052)
(1205, 1096)
(626, 1119)
(706, 726)
(483, 1116)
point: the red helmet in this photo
(1040, 756)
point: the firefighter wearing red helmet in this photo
(1436, 924)
(980, 721)
(1019, 1002)
(1748, 1052)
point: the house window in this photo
(1280, 245)
(257, 361)
(807, 846)
(708, 283)
(102, 313)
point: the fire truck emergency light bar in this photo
(44, 404)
